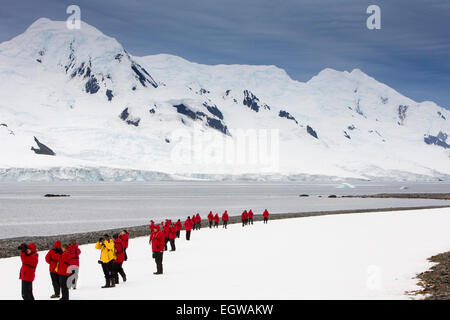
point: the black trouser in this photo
(108, 269)
(265, 220)
(118, 269)
(165, 243)
(55, 283)
(243, 222)
(225, 224)
(188, 235)
(210, 223)
(27, 290)
(125, 253)
(178, 233)
(250, 220)
(64, 288)
(172, 244)
(216, 224)
(199, 225)
(158, 259)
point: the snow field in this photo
(352, 256)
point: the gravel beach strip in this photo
(8, 247)
(436, 281)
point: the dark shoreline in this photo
(435, 196)
(8, 247)
(436, 281)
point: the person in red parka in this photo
(244, 217)
(75, 259)
(225, 219)
(125, 237)
(30, 259)
(210, 219)
(158, 249)
(216, 220)
(120, 258)
(178, 227)
(165, 231)
(198, 221)
(266, 216)
(52, 258)
(172, 237)
(250, 217)
(188, 227)
(152, 225)
(64, 271)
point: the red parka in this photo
(244, 215)
(29, 264)
(225, 216)
(210, 216)
(188, 224)
(250, 214)
(64, 263)
(152, 226)
(52, 257)
(172, 232)
(216, 218)
(125, 237)
(178, 225)
(74, 254)
(165, 231)
(158, 241)
(198, 219)
(266, 214)
(120, 254)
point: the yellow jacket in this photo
(108, 251)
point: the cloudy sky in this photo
(411, 52)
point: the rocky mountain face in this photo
(97, 106)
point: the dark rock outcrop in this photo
(92, 85)
(214, 110)
(251, 101)
(402, 114)
(198, 115)
(441, 115)
(125, 116)
(143, 76)
(109, 94)
(312, 132)
(287, 115)
(439, 140)
(42, 148)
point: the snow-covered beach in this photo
(353, 256)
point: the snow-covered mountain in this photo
(105, 114)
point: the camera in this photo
(23, 247)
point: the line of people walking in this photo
(64, 259)
(160, 235)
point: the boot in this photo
(53, 296)
(108, 283)
(113, 282)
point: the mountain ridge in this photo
(96, 105)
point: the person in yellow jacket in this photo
(107, 257)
